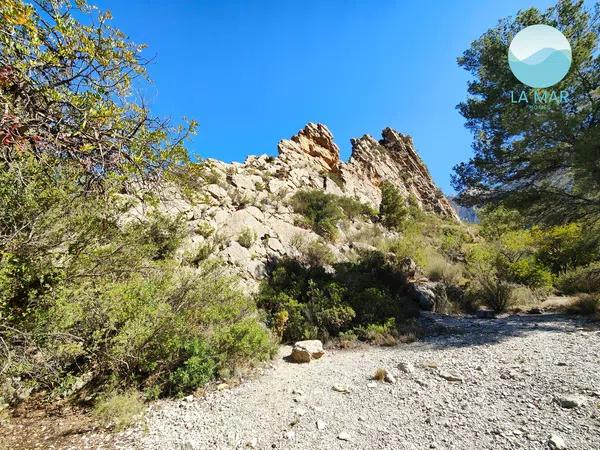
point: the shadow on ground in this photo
(462, 331)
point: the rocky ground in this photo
(515, 382)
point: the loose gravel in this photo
(479, 384)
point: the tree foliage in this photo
(66, 94)
(542, 159)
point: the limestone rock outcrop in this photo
(252, 198)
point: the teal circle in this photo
(539, 56)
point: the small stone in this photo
(300, 411)
(389, 378)
(570, 401)
(343, 436)
(252, 443)
(189, 398)
(290, 435)
(556, 442)
(341, 388)
(510, 375)
(222, 386)
(450, 377)
(406, 367)
(371, 384)
(321, 425)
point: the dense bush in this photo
(582, 279)
(88, 298)
(304, 302)
(321, 212)
(94, 297)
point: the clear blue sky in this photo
(254, 72)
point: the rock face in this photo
(316, 141)
(394, 159)
(305, 351)
(252, 198)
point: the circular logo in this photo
(539, 56)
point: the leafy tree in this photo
(393, 211)
(88, 294)
(541, 159)
(65, 88)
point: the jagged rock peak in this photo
(313, 152)
(315, 140)
(394, 159)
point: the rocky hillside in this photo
(242, 213)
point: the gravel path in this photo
(515, 371)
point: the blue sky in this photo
(252, 73)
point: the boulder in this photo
(408, 267)
(427, 294)
(305, 351)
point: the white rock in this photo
(344, 436)
(321, 425)
(290, 435)
(305, 351)
(450, 377)
(216, 191)
(389, 378)
(341, 388)
(556, 442)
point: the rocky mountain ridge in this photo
(251, 199)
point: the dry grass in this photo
(119, 411)
(439, 269)
(379, 374)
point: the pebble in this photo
(344, 436)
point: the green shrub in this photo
(493, 292)
(241, 344)
(393, 210)
(204, 229)
(198, 366)
(412, 244)
(119, 410)
(247, 237)
(317, 253)
(384, 334)
(200, 253)
(563, 247)
(163, 232)
(353, 208)
(320, 212)
(306, 302)
(582, 279)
